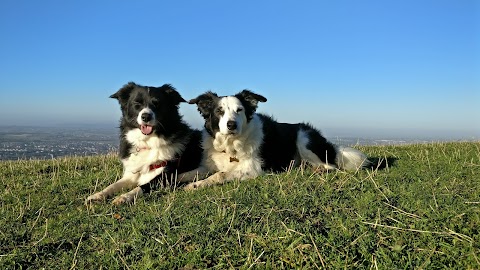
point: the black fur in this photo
(324, 149)
(279, 143)
(250, 102)
(189, 160)
(207, 105)
(164, 102)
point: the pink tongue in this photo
(146, 129)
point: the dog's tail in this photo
(351, 159)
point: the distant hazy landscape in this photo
(47, 143)
(52, 142)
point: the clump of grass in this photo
(421, 211)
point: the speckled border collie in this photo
(241, 144)
(155, 144)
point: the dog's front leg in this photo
(132, 195)
(193, 175)
(128, 180)
(245, 170)
(215, 179)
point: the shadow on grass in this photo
(381, 163)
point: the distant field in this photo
(57, 142)
(421, 212)
(47, 143)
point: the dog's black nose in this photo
(231, 125)
(146, 117)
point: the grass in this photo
(422, 211)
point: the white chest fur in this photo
(148, 149)
(239, 152)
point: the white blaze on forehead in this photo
(230, 106)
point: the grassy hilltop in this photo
(422, 211)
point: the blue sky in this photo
(351, 68)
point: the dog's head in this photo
(148, 108)
(227, 115)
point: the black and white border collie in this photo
(241, 144)
(155, 144)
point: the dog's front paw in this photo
(122, 199)
(129, 197)
(95, 198)
(193, 186)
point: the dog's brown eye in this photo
(218, 111)
(239, 110)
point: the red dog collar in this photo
(162, 164)
(158, 165)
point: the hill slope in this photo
(422, 211)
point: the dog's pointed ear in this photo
(251, 98)
(123, 93)
(205, 103)
(173, 94)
